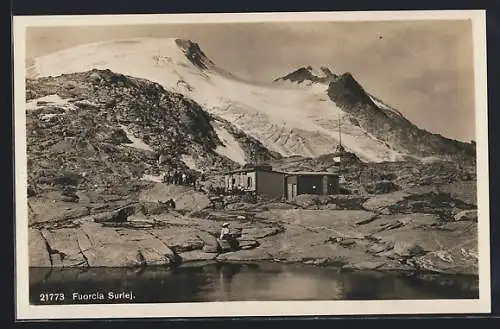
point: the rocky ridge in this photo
(389, 125)
(377, 118)
(96, 128)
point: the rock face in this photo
(309, 74)
(382, 202)
(210, 244)
(388, 124)
(185, 198)
(467, 215)
(38, 251)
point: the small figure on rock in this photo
(171, 203)
(224, 232)
(227, 240)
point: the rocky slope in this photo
(100, 128)
(309, 75)
(362, 178)
(389, 125)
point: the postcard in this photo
(257, 164)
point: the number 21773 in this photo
(51, 297)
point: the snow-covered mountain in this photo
(297, 114)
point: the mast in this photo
(340, 131)
(340, 145)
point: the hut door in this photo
(292, 191)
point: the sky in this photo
(422, 68)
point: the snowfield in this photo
(384, 106)
(231, 148)
(137, 143)
(291, 120)
(49, 100)
(189, 161)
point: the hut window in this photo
(249, 181)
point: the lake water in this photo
(237, 282)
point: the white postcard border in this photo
(25, 311)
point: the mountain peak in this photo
(347, 90)
(194, 53)
(309, 74)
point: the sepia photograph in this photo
(251, 164)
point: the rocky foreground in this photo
(424, 230)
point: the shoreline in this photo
(201, 263)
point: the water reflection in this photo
(254, 281)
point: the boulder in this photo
(225, 246)
(348, 202)
(245, 255)
(154, 208)
(46, 210)
(308, 200)
(363, 265)
(381, 187)
(466, 215)
(70, 198)
(180, 239)
(186, 198)
(256, 233)
(378, 247)
(237, 206)
(347, 243)
(134, 235)
(405, 249)
(330, 206)
(280, 205)
(210, 243)
(69, 85)
(73, 213)
(196, 255)
(67, 178)
(31, 191)
(64, 248)
(188, 245)
(462, 261)
(37, 248)
(139, 218)
(380, 203)
(120, 215)
(100, 235)
(156, 253)
(140, 224)
(116, 254)
(248, 244)
(119, 136)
